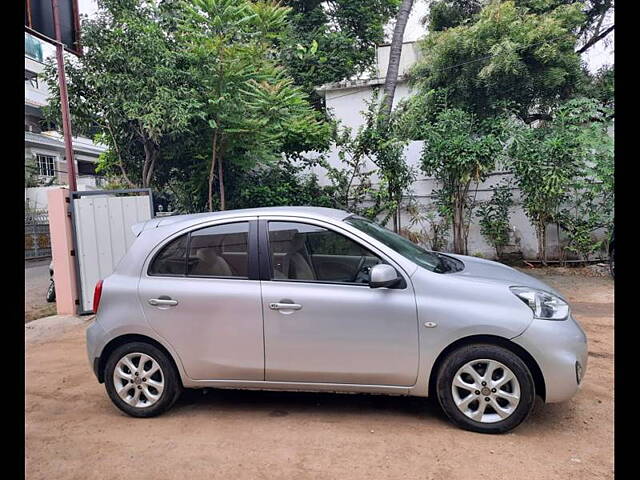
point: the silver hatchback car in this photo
(316, 299)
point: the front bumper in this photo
(559, 348)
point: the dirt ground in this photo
(36, 282)
(73, 430)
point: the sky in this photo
(597, 56)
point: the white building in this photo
(44, 147)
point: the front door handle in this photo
(285, 306)
(156, 302)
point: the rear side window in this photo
(172, 258)
(220, 251)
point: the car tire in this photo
(51, 292)
(162, 388)
(486, 409)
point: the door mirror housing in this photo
(384, 276)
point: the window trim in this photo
(266, 267)
(252, 251)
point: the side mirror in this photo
(383, 276)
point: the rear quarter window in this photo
(171, 260)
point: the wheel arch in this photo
(128, 338)
(516, 349)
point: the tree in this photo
(252, 108)
(128, 86)
(494, 217)
(597, 25)
(547, 161)
(460, 150)
(445, 14)
(395, 51)
(507, 55)
(328, 41)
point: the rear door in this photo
(337, 329)
(200, 291)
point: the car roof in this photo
(179, 221)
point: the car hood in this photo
(494, 272)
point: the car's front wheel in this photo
(141, 380)
(485, 388)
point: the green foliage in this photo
(426, 226)
(494, 217)
(460, 150)
(589, 206)
(550, 161)
(374, 144)
(509, 56)
(353, 187)
(128, 85)
(329, 41)
(282, 184)
(252, 108)
(445, 14)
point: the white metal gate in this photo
(102, 222)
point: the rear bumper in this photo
(95, 336)
(560, 349)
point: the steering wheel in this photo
(360, 269)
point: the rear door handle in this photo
(162, 302)
(285, 306)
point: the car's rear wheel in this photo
(141, 380)
(485, 388)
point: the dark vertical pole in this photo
(64, 101)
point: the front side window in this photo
(302, 252)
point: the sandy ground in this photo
(73, 430)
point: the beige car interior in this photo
(219, 255)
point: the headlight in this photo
(544, 305)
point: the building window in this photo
(31, 78)
(33, 47)
(46, 165)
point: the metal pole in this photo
(64, 101)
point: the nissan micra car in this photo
(316, 299)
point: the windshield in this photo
(432, 261)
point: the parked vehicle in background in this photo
(303, 298)
(51, 290)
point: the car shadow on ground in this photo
(281, 404)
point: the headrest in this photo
(207, 255)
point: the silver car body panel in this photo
(346, 338)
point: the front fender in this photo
(461, 309)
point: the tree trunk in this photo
(391, 79)
(541, 232)
(150, 156)
(212, 170)
(458, 227)
(221, 183)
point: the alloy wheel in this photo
(138, 379)
(485, 390)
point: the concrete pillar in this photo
(61, 231)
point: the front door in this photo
(322, 321)
(200, 294)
